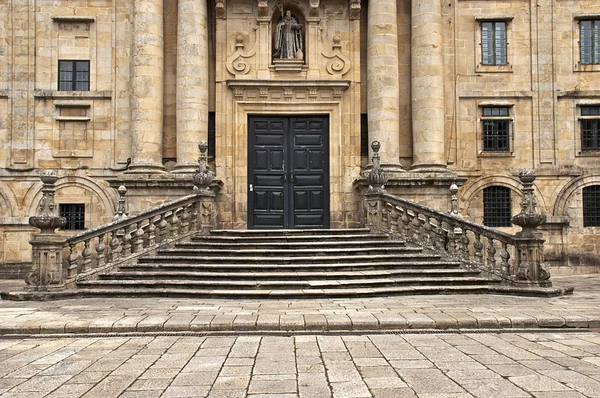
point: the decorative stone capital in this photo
(221, 9)
(376, 178)
(354, 9)
(47, 218)
(204, 177)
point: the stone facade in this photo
(159, 67)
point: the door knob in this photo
(251, 187)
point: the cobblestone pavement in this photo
(125, 315)
(544, 365)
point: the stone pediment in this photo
(288, 90)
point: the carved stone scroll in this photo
(236, 64)
(339, 64)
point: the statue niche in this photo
(288, 40)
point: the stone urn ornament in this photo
(204, 177)
(376, 178)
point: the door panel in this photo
(288, 170)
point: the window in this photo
(589, 125)
(591, 206)
(493, 43)
(73, 75)
(364, 135)
(211, 134)
(74, 214)
(496, 207)
(496, 129)
(589, 41)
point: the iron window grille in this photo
(494, 45)
(73, 75)
(496, 207)
(591, 206)
(74, 213)
(589, 42)
(590, 128)
(496, 128)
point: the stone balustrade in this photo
(515, 259)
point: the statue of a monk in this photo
(288, 38)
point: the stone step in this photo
(287, 293)
(290, 238)
(287, 245)
(295, 252)
(310, 267)
(345, 259)
(191, 275)
(288, 232)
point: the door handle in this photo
(251, 188)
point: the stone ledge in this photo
(103, 95)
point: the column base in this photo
(429, 168)
(145, 168)
(185, 168)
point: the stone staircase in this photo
(288, 264)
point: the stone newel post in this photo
(206, 210)
(529, 241)
(377, 179)
(46, 270)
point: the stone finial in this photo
(454, 201)
(376, 177)
(47, 218)
(203, 177)
(122, 206)
(529, 218)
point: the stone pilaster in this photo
(383, 93)
(192, 82)
(427, 81)
(147, 77)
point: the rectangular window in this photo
(364, 135)
(74, 213)
(73, 75)
(496, 129)
(493, 43)
(589, 41)
(590, 126)
(211, 134)
(496, 207)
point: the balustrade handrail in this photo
(116, 225)
(448, 218)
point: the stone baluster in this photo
(46, 269)
(151, 232)
(137, 241)
(415, 226)
(491, 254)
(441, 239)
(478, 246)
(428, 240)
(73, 257)
(100, 248)
(452, 241)
(394, 220)
(174, 224)
(115, 246)
(126, 239)
(406, 224)
(163, 227)
(530, 244)
(86, 254)
(504, 257)
(464, 245)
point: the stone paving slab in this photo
(438, 312)
(504, 365)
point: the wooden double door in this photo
(288, 172)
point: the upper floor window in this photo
(74, 214)
(591, 206)
(590, 126)
(589, 41)
(496, 207)
(493, 43)
(73, 75)
(496, 129)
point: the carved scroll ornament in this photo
(339, 64)
(236, 63)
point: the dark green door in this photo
(288, 172)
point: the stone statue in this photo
(288, 37)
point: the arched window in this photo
(591, 206)
(496, 207)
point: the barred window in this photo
(73, 75)
(74, 214)
(591, 206)
(496, 207)
(496, 129)
(589, 41)
(590, 126)
(493, 43)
